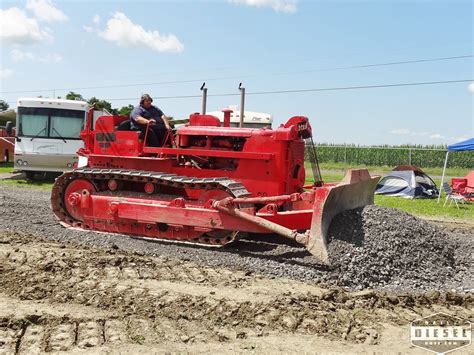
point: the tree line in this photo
(100, 104)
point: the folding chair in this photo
(461, 187)
(451, 196)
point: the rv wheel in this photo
(30, 175)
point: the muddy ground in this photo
(64, 290)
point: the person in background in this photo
(145, 115)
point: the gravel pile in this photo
(373, 247)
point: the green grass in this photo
(433, 172)
(43, 185)
(428, 207)
(40, 184)
(6, 168)
(334, 172)
(331, 176)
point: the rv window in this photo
(66, 127)
(51, 122)
(34, 125)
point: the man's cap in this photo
(145, 97)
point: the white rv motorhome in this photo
(251, 119)
(48, 134)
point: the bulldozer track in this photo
(96, 176)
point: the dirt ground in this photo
(63, 290)
(57, 297)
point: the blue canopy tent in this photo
(463, 146)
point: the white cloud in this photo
(125, 33)
(288, 6)
(96, 19)
(20, 56)
(51, 58)
(17, 28)
(400, 131)
(5, 73)
(88, 29)
(44, 10)
(437, 138)
(460, 138)
(470, 87)
(94, 28)
(407, 132)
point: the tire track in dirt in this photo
(57, 297)
(34, 335)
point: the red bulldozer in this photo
(208, 184)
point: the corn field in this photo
(422, 156)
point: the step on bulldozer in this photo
(208, 184)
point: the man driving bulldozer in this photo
(147, 115)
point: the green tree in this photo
(125, 110)
(3, 105)
(74, 96)
(102, 104)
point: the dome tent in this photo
(407, 181)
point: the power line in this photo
(311, 90)
(247, 76)
(388, 63)
(341, 88)
(362, 87)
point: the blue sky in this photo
(167, 48)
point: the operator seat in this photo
(124, 126)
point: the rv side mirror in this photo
(9, 127)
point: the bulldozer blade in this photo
(355, 190)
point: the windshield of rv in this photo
(50, 122)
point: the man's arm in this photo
(135, 116)
(165, 120)
(143, 120)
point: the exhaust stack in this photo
(204, 97)
(242, 104)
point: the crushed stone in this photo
(371, 247)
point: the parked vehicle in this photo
(7, 142)
(251, 119)
(48, 135)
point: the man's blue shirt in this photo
(151, 113)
